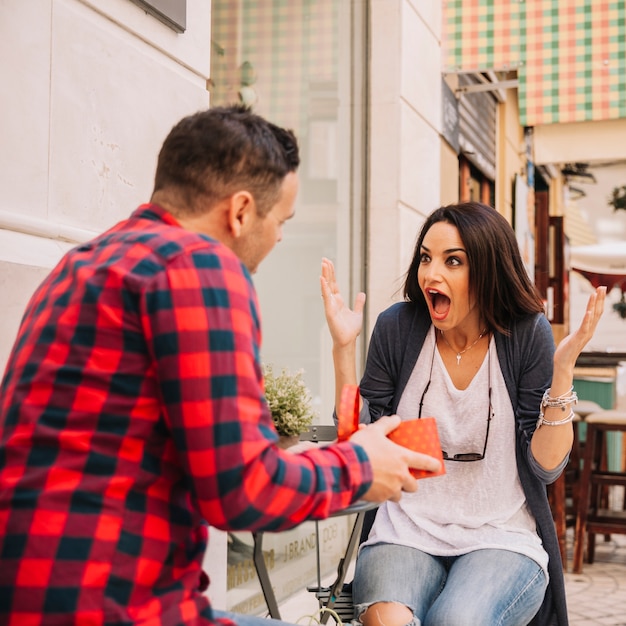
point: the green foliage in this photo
(289, 400)
(620, 307)
(617, 199)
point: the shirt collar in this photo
(155, 213)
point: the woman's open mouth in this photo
(439, 303)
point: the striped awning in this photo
(570, 55)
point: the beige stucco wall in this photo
(511, 159)
(581, 142)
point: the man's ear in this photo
(242, 208)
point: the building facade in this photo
(389, 130)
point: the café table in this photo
(359, 509)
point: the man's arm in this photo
(202, 323)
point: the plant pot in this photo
(286, 441)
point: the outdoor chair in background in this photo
(564, 492)
(597, 511)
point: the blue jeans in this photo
(495, 587)
(248, 620)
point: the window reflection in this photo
(291, 61)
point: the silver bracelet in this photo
(560, 402)
(565, 420)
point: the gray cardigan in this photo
(526, 360)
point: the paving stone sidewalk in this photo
(598, 595)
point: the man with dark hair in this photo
(132, 410)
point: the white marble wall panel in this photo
(88, 89)
(404, 135)
(190, 49)
(113, 100)
(384, 155)
(421, 71)
(410, 224)
(24, 100)
(419, 163)
(431, 14)
(17, 284)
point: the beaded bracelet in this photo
(565, 420)
(560, 402)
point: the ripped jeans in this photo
(484, 587)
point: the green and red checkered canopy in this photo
(570, 55)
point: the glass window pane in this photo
(291, 60)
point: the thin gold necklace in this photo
(462, 352)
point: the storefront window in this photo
(294, 62)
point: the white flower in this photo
(289, 401)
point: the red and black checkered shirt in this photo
(132, 414)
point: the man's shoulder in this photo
(154, 238)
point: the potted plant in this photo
(289, 401)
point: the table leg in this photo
(264, 578)
(318, 560)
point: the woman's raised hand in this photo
(344, 323)
(571, 346)
(551, 445)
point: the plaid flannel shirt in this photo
(131, 414)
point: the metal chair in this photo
(338, 596)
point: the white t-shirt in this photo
(475, 505)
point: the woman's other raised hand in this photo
(344, 323)
(571, 346)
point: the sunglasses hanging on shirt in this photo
(462, 456)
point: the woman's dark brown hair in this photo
(497, 275)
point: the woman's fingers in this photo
(359, 303)
(571, 346)
(344, 323)
(598, 305)
(328, 274)
(595, 308)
